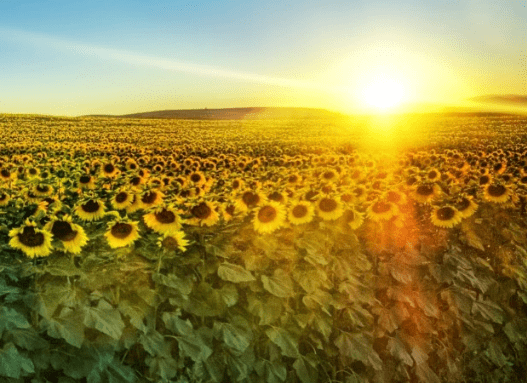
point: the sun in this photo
(383, 95)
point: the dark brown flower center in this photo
(445, 213)
(267, 214)
(380, 207)
(496, 190)
(30, 238)
(349, 216)
(149, 197)
(85, 179)
(5, 173)
(230, 209)
(310, 195)
(195, 177)
(165, 216)
(3, 197)
(235, 184)
(121, 197)
(393, 197)
(121, 230)
(328, 175)
(425, 190)
(483, 180)
(299, 211)
(463, 204)
(276, 196)
(170, 243)
(327, 204)
(201, 211)
(250, 199)
(109, 168)
(63, 231)
(42, 188)
(91, 206)
(135, 181)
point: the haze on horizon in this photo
(122, 57)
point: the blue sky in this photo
(66, 57)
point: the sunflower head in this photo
(446, 216)
(122, 232)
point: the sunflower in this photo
(228, 211)
(4, 198)
(381, 210)
(446, 216)
(42, 190)
(237, 184)
(197, 178)
(466, 206)
(151, 198)
(269, 217)
(122, 199)
(86, 181)
(353, 218)
(90, 210)
(249, 200)
(300, 212)
(174, 241)
(109, 170)
(163, 219)
(135, 205)
(498, 193)
(329, 208)
(31, 240)
(204, 213)
(278, 197)
(122, 232)
(425, 193)
(71, 235)
(6, 175)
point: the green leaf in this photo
(12, 364)
(280, 284)
(425, 374)
(11, 319)
(68, 326)
(194, 347)
(397, 349)
(495, 353)
(310, 280)
(235, 337)
(489, 310)
(62, 266)
(234, 273)
(268, 311)
(26, 338)
(285, 340)
(181, 285)
(305, 372)
(104, 318)
(135, 313)
(205, 301)
(360, 347)
(229, 294)
(162, 366)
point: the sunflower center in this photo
(425, 190)
(170, 243)
(121, 230)
(393, 196)
(149, 197)
(328, 175)
(30, 238)
(276, 196)
(230, 209)
(91, 206)
(250, 199)
(121, 197)
(484, 180)
(201, 211)
(463, 204)
(135, 181)
(5, 173)
(85, 179)
(299, 211)
(108, 168)
(235, 184)
(327, 204)
(380, 207)
(3, 197)
(445, 213)
(195, 178)
(43, 189)
(63, 231)
(267, 214)
(310, 195)
(165, 216)
(496, 190)
(349, 216)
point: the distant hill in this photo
(257, 113)
(508, 99)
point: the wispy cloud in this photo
(139, 59)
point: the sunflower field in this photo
(136, 250)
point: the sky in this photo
(116, 57)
